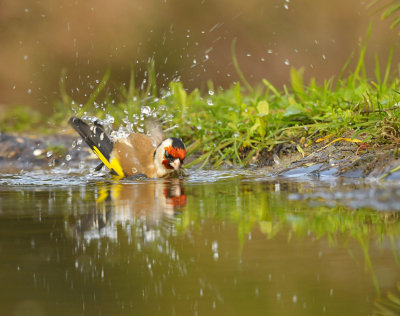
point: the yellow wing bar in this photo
(112, 165)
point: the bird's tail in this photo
(98, 141)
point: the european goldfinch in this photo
(136, 154)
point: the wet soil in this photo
(342, 158)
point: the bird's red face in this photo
(175, 198)
(173, 157)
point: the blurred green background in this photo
(189, 41)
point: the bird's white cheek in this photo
(176, 164)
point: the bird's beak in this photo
(176, 164)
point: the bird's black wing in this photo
(95, 137)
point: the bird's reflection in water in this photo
(150, 202)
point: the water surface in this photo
(214, 243)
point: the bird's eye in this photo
(168, 155)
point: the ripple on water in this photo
(331, 191)
(204, 176)
(59, 177)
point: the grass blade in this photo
(237, 68)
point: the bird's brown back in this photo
(135, 154)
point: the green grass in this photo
(390, 9)
(230, 126)
(19, 119)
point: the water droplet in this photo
(26, 57)
(286, 6)
(294, 299)
(269, 51)
(287, 62)
(68, 157)
(145, 110)
(37, 152)
(109, 120)
(52, 162)
(248, 55)
(323, 56)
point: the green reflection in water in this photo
(170, 247)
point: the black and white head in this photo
(169, 156)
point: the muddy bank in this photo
(341, 158)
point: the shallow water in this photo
(214, 243)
